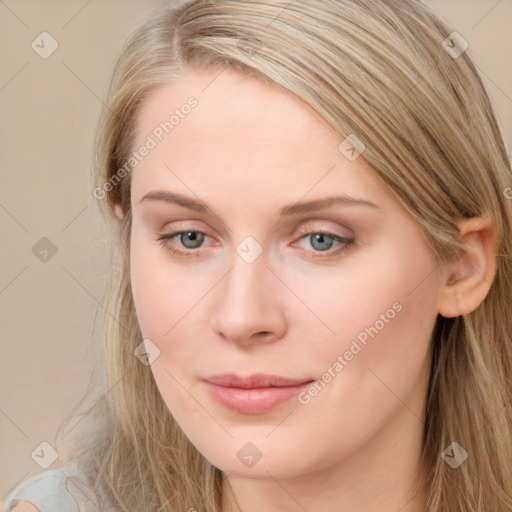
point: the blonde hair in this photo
(378, 70)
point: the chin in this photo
(263, 459)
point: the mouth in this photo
(254, 394)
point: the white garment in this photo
(59, 490)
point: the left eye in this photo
(322, 242)
(195, 238)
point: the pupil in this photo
(322, 239)
(194, 237)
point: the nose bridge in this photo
(246, 303)
(246, 284)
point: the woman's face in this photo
(249, 291)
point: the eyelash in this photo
(346, 243)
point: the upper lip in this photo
(258, 380)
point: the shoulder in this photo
(25, 506)
(63, 489)
(47, 491)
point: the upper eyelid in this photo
(303, 230)
(305, 227)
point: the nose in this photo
(248, 306)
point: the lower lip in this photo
(254, 400)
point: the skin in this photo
(247, 150)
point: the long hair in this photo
(391, 73)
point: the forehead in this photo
(243, 134)
(234, 106)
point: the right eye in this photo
(190, 239)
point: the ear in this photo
(119, 212)
(467, 281)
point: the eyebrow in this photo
(291, 209)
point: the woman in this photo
(308, 305)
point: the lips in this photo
(254, 394)
(259, 380)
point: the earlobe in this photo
(119, 212)
(467, 281)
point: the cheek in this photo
(151, 297)
(162, 295)
(170, 301)
(162, 299)
(383, 316)
(382, 299)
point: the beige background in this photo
(50, 108)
